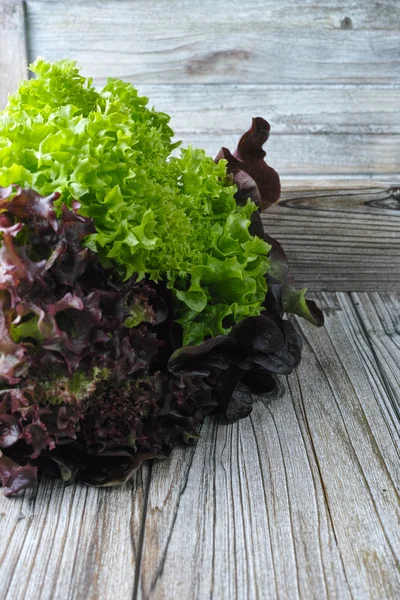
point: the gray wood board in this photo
(343, 237)
(217, 41)
(223, 109)
(300, 500)
(330, 129)
(12, 47)
(65, 543)
(335, 130)
(333, 155)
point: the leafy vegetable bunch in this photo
(138, 290)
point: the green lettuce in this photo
(170, 218)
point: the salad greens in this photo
(166, 217)
(138, 289)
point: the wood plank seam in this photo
(288, 500)
(160, 566)
(320, 478)
(142, 529)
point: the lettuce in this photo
(93, 378)
(84, 387)
(170, 218)
(138, 289)
(254, 178)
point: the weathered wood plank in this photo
(71, 543)
(313, 154)
(340, 239)
(218, 110)
(297, 501)
(344, 129)
(239, 542)
(220, 41)
(13, 56)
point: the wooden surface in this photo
(326, 130)
(300, 500)
(215, 41)
(71, 543)
(342, 237)
(326, 75)
(13, 56)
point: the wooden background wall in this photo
(326, 74)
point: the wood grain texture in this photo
(71, 543)
(301, 499)
(218, 110)
(332, 155)
(327, 71)
(340, 238)
(216, 41)
(379, 314)
(334, 130)
(13, 56)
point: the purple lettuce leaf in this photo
(14, 361)
(14, 477)
(253, 177)
(240, 371)
(201, 360)
(27, 205)
(113, 467)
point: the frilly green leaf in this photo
(166, 217)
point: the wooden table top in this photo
(300, 500)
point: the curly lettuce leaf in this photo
(167, 218)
